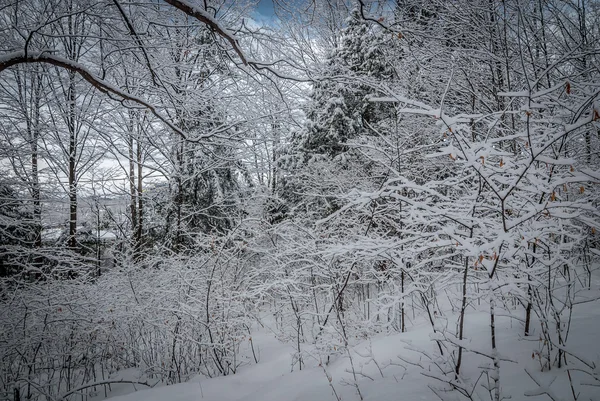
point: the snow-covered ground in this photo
(382, 372)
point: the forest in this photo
(299, 200)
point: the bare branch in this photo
(20, 57)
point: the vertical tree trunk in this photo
(179, 195)
(273, 174)
(140, 209)
(528, 308)
(496, 373)
(71, 118)
(35, 179)
(98, 236)
(463, 308)
(496, 358)
(132, 185)
(498, 80)
(402, 311)
(584, 62)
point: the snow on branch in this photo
(205, 18)
(22, 57)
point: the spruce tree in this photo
(340, 109)
(322, 154)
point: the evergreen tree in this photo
(203, 183)
(17, 231)
(340, 109)
(339, 116)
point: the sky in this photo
(265, 7)
(264, 12)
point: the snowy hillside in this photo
(389, 367)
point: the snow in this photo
(54, 234)
(106, 235)
(382, 369)
(493, 213)
(514, 94)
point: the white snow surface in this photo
(271, 379)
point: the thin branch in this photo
(20, 57)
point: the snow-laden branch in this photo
(22, 57)
(205, 18)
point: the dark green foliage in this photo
(340, 110)
(321, 159)
(17, 231)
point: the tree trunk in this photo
(72, 242)
(140, 221)
(132, 187)
(35, 179)
(463, 308)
